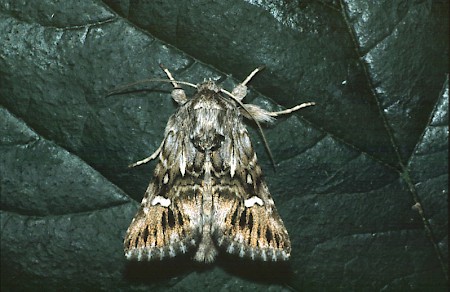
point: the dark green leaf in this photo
(361, 180)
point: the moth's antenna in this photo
(173, 81)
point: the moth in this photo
(207, 192)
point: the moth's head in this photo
(208, 86)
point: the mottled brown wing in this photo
(246, 221)
(167, 222)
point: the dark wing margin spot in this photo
(170, 218)
(243, 219)
(234, 217)
(180, 219)
(145, 235)
(250, 222)
(164, 221)
(269, 235)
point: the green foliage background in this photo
(348, 173)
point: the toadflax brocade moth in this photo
(207, 191)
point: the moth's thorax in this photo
(209, 114)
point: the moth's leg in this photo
(290, 110)
(255, 112)
(151, 157)
(240, 91)
(169, 75)
(178, 93)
